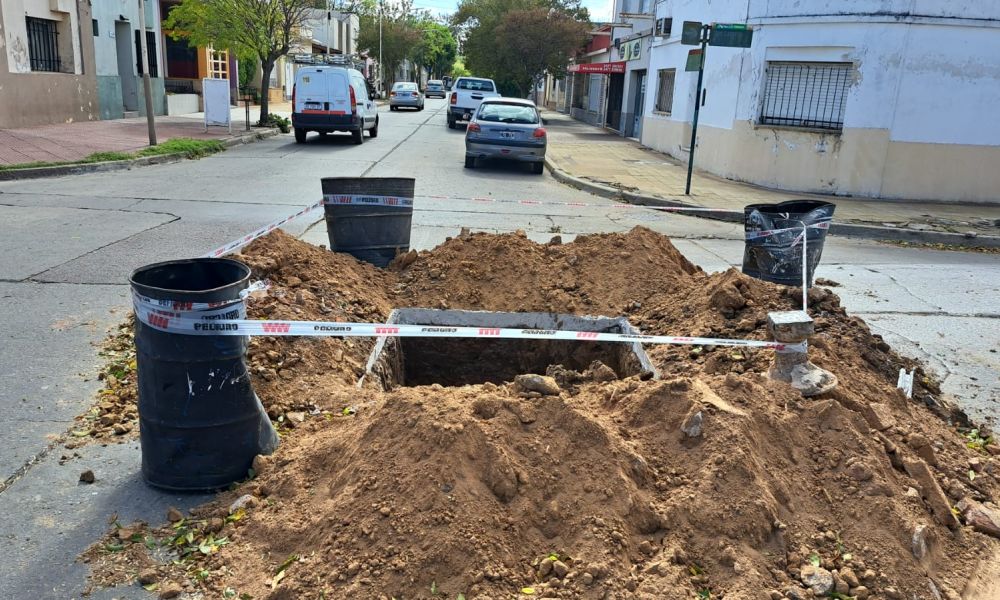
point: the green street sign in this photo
(694, 60)
(691, 33)
(730, 35)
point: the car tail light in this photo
(474, 127)
(354, 100)
(391, 94)
(539, 133)
(454, 98)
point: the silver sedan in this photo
(405, 94)
(508, 129)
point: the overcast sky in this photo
(600, 10)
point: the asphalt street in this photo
(70, 243)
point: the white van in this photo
(332, 98)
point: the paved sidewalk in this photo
(594, 155)
(75, 141)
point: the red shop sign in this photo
(605, 68)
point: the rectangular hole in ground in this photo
(465, 361)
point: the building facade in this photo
(588, 79)
(116, 29)
(47, 69)
(184, 66)
(878, 98)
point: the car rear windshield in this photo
(477, 85)
(508, 113)
(405, 86)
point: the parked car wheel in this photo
(537, 168)
(373, 132)
(359, 136)
(470, 162)
(300, 135)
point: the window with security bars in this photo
(806, 94)
(665, 91)
(154, 70)
(43, 45)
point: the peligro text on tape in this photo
(363, 200)
(186, 324)
(180, 306)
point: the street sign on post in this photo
(730, 35)
(694, 59)
(691, 33)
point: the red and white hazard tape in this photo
(210, 323)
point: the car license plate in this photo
(507, 135)
(313, 106)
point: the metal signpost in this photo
(694, 33)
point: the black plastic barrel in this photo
(371, 233)
(200, 422)
(778, 257)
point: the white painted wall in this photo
(936, 81)
(15, 31)
(926, 72)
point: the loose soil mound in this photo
(714, 482)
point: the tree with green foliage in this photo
(263, 29)
(517, 41)
(437, 49)
(400, 25)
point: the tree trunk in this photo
(266, 66)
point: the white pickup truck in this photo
(466, 95)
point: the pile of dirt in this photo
(712, 482)
(601, 274)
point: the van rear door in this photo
(322, 91)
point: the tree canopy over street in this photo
(261, 29)
(517, 41)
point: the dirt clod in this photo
(87, 476)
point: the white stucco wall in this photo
(15, 31)
(107, 12)
(927, 74)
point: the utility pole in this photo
(381, 67)
(697, 105)
(147, 85)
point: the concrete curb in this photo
(868, 232)
(121, 165)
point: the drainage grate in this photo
(464, 361)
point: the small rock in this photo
(586, 579)
(556, 240)
(261, 464)
(982, 519)
(600, 372)
(692, 423)
(542, 384)
(170, 590)
(385, 511)
(795, 593)
(87, 476)
(892, 593)
(868, 576)
(293, 281)
(847, 574)
(912, 492)
(148, 576)
(860, 592)
(559, 569)
(646, 548)
(434, 273)
(214, 525)
(296, 417)
(840, 586)
(975, 464)
(920, 543)
(818, 579)
(878, 415)
(931, 491)
(859, 471)
(520, 233)
(923, 448)
(545, 567)
(353, 568)
(174, 515)
(244, 501)
(775, 595)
